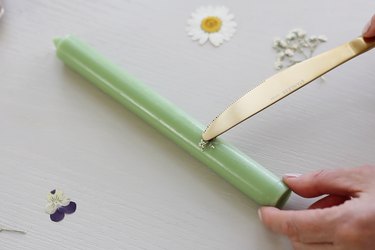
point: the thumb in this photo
(369, 30)
(342, 182)
(307, 226)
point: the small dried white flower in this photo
(313, 38)
(281, 55)
(214, 24)
(296, 47)
(277, 42)
(290, 37)
(301, 34)
(322, 38)
(289, 52)
(278, 64)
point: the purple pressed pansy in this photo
(58, 205)
(57, 216)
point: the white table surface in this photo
(134, 188)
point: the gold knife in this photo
(283, 84)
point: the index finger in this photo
(369, 30)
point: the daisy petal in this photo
(193, 32)
(229, 25)
(198, 35)
(194, 22)
(210, 9)
(223, 12)
(203, 38)
(216, 39)
(229, 17)
(228, 35)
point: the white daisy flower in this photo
(214, 24)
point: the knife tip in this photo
(207, 135)
(206, 138)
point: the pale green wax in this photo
(247, 175)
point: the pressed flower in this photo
(56, 199)
(58, 205)
(296, 47)
(213, 24)
(322, 38)
(289, 52)
(278, 64)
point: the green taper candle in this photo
(234, 166)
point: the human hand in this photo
(369, 30)
(344, 219)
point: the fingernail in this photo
(292, 175)
(260, 215)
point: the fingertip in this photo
(369, 29)
(291, 179)
(274, 219)
(265, 213)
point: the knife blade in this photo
(283, 84)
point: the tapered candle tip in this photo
(57, 41)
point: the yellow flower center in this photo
(211, 24)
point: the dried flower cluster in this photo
(296, 47)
